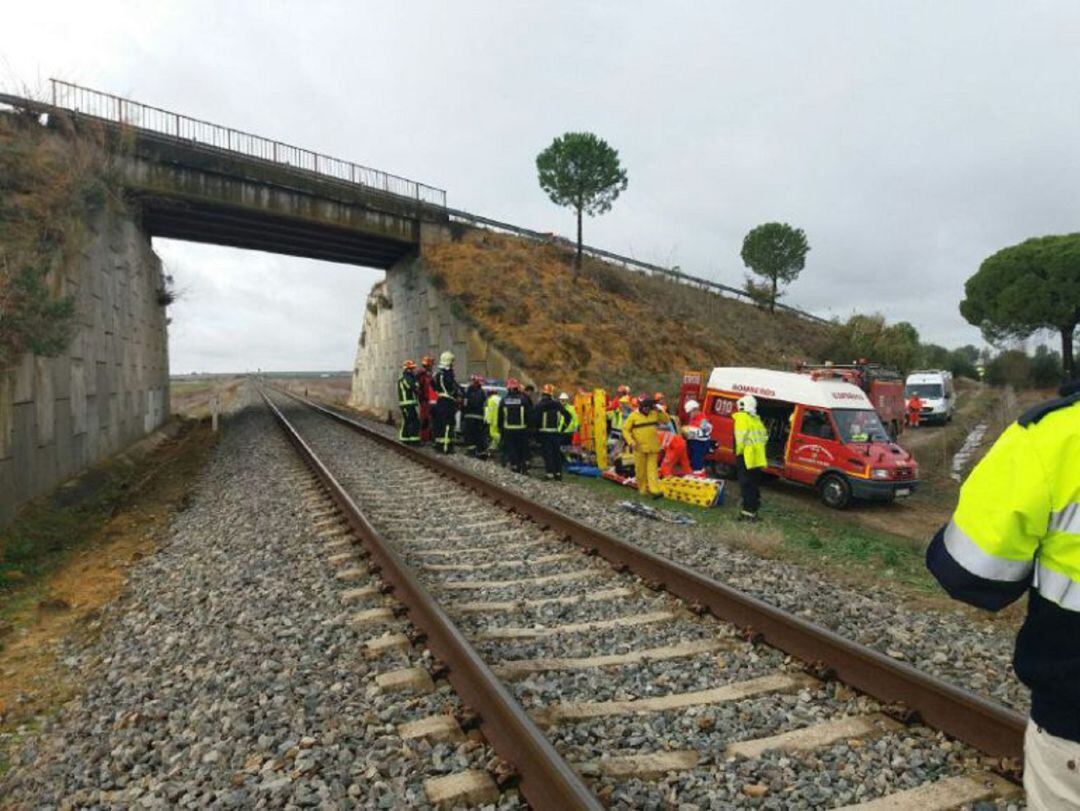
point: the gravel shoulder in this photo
(230, 674)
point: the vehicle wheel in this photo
(835, 491)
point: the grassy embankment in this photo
(606, 325)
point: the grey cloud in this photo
(909, 139)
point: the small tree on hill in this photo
(1028, 287)
(777, 252)
(582, 171)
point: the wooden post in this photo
(214, 406)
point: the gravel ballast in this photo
(229, 675)
(447, 515)
(950, 644)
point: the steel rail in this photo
(986, 725)
(546, 780)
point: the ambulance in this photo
(823, 433)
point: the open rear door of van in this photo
(693, 387)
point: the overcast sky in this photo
(909, 140)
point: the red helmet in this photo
(658, 396)
(513, 383)
(623, 389)
(477, 378)
(427, 360)
(548, 389)
(409, 364)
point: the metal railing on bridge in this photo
(119, 110)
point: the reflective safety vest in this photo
(475, 403)
(407, 390)
(751, 437)
(570, 425)
(1016, 529)
(639, 430)
(444, 383)
(552, 415)
(491, 415)
(514, 412)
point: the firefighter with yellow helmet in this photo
(1016, 529)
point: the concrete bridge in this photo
(201, 182)
(183, 179)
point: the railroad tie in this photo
(508, 607)
(647, 767)
(471, 788)
(351, 575)
(522, 667)
(353, 596)
(950, 792)
(372, 616)
(434, 727)
(815, 736)
(562, 577)
(474, 567)
(387, 642)
(416, 679)
(577, 627)
(468, 550)
(580, 711)
(342, 543)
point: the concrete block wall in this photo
(110, 388)
(408, 317)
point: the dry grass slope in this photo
(606, 325)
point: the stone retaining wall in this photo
(109, 389)
(408, 317)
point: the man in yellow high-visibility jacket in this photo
(1016, 529)
(491, 417)
(751, 438)
(639, 431)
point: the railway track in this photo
(603, 674)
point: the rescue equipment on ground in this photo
(693, 490)
(588, 471)
(645, 511)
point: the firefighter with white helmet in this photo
(698, 436)
(751, 437)
(446, 391)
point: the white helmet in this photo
(691, 405)
(446, 359)
(563, 396)
(747, 403)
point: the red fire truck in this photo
(822, 433)
(884, 387)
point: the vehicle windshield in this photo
(928, 390)
(859, 426)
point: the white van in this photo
(935, 388)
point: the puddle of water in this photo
(971, 442)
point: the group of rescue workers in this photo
(1015, 531)
(430, 398)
